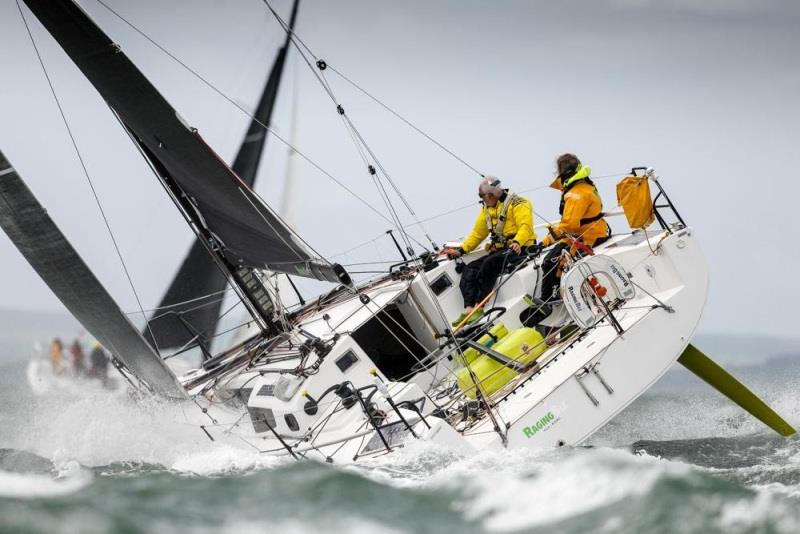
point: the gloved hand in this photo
(550, 238)
(450, 252)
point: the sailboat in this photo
(369, 367)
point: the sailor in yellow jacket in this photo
(507, 219)
(581, 211)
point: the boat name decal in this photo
(576, 301)
(544, 422)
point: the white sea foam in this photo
(556, 487)
(691, 409)
(70, 479)
(349, 525)
(226, 459)
(100, 429)
(510, 490)
(751, 514)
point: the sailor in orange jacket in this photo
(56, 355)
(507, 219)
(581, 211)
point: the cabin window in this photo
(291, 422)
(261, 417)
(440, 284)
(267, 390)
(388, 340)
(346, 361)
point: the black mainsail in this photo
(38, 238)
(238, 230)
(192, 303)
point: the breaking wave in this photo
(679, 459)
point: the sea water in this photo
(680, 459)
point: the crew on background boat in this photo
(99, 361)
(56, 355)
(581, 211)
(507, 219)
(76, 355)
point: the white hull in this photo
(628, 364)
(550, 406)
(44, 381)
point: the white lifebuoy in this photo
(608, 273)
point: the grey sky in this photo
(704, 91)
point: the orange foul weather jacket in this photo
(581, 209)
(517, 226)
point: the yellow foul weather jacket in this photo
(518, 224)
(581, 209)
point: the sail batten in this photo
(51, 255)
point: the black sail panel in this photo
(38, 238)
(249, 233)
(245, 165)
(191, 306)
(192, 303)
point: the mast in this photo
(192, 303)
(240, 232)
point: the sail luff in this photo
(199, 282)
(221, 201)
(51, 255)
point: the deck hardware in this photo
(280, 439)
(396, 244)
(667, 307)
(498, 357)
(600, 378)
(579, 378)
(203, 428)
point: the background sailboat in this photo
(190, 309)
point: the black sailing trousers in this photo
(551, 278)
(479, 277)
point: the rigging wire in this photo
(86, 173)
(302, 49)
(322, 66)
(529, 190)
(455, 210)
(406, 121)
(365, 243)
(246, 113)
(178, 304)
(378, 101)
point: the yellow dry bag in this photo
(633, 194)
